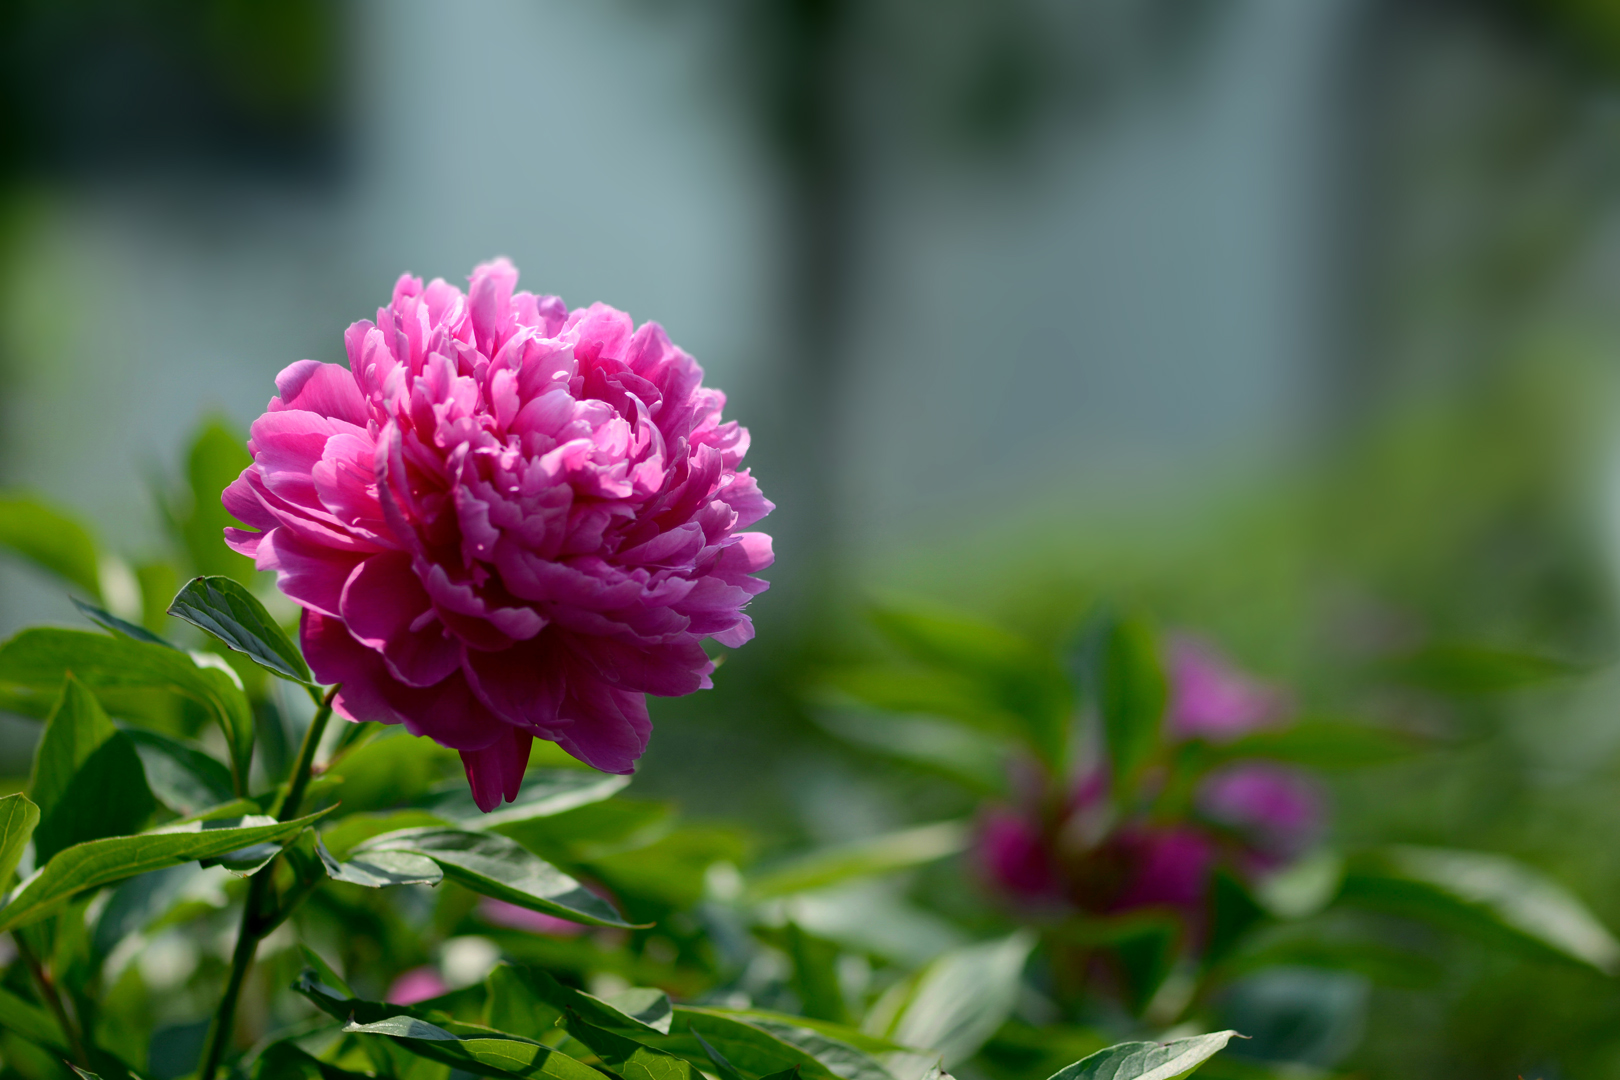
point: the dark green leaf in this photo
(863, 858)
(183, 777)
(225, 609)
(285, 1061)
(815, 975)
(87, 780)
(1148, 1060)
(31, 1022)
(628, 1059)
(1474, 669)
(18, 818)
(51, 540)
(108, 621)
(751, 1050)
(101, 862)
(843, 1051)
(971, 757)
(1131, 695)
(218, 455)
(1487, 895)
(324, 971)
(646, 1012)
(496, 866)
(1321, 744)
(40, 658)
(375, 869)
(963, 997)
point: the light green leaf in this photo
(862, 858)
(217, 456)
(40, 658)
(1321, 744)
(498, 867)
(375, 869)
(87, 779)
(546, 793)
(225, 609)
(961, 999)
(1131, 694)
(101, 862)
(18, 818)
(183, 777)
(1148, 1060)
(51, 540)
(1485, 894)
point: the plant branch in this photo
(259, 910)
(53, 998)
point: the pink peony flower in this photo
(1166, 866)
(1014, 856)
(1277, 810)
(1210, 699)
(417, 984)
(505, 520)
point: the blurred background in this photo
(1293, 323)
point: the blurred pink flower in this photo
(1210, 699)
(1277, 810)
(502, 913)
(1014, 856)
(1166, 866)
(505, 520)
(417, 984)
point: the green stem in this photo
(259, 916)
(53, 998)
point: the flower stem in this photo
(53, 998)
(258, 910)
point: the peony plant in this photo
(499, 527)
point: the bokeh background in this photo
(1294, 323)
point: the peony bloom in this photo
(505, 520)
(1210, 699)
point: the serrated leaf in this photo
(963, 997)
(18, 818)
(1131, 694)
(862, 858)
(87, 779)
(226, 609)
(101, 862)
(1148, 1060)
(376, 869)
(495, 866)
(183, 777)
(50, 539)
(1487, 895)
(123, 628)
(41, 657)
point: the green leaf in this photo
(183, 777)
(1021, 679)
(970, 757)
(121, 627)
(101, 862)
(478, 1050)
(1131, 695)
(815, 975)
(642, 1013)
(546, 793)
(286, 1061)
(51, 540)
(1148, 1060)
(18, 818)
(375, 869)
(1456, 668)
(40, 658)
(746, 1044)
(843, 1051)
(31, 1022)
(218, 455)
(1321, 744)
(225, 609)
(87, 780)
(863, 858)
(324, 971)
(1487, 895)
(496, 866)
(627, 1058)
(963, 997)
